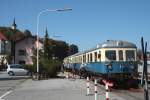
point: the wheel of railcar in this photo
(132, 83)
(82, 72)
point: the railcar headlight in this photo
(132, 67)
(109, 66)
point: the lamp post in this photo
(13, 41)
(37, 33)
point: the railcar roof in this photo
(116, 44)
(110, 44)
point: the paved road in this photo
(5, 76)
(61, 89)
(56, 89)
(8, 83)
(53, 89)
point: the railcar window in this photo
(91, 57)
(99, 56)
(84, 58)
(88, 58)
(80, 60)
(110, 54)
(95, 55)
(130, 56)
(120, 55)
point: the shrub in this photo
(31, 68)
(49, 67)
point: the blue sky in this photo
(89, 23)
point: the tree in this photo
(60, 49)
(47, 45)
(73, 49)
(9, 58)
(50, 60)
(2, 64)
(27, 33)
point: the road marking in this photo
(8, 92)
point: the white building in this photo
(24, 50)
(4, 49)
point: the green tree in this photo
(47, 45)
(27, 33)
(60, 49)
(9, 58)
(73, 49)
(50, 60)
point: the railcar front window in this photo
(91, 57)
(130, 56)
(120, 55)
(110, 55)
(95, 56)
(99, 56)
(88, 58)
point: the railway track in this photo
(128, 94)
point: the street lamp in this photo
(13, 41)
(37, 33)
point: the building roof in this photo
(2, 37)
(25, 37)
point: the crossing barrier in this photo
(67, 75)
(88, 86)
(107, 91)
(95, 89)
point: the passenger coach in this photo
(111, 59)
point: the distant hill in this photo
(11, 34)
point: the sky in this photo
(88, 23)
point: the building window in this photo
(22, 52)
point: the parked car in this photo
(16, 69)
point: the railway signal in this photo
(144, 72)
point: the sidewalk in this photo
(56, 89)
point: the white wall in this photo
(26, 44)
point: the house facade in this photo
(24, 50)
(4, 45)
(4, 50)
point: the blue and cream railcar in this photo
(113, 57)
